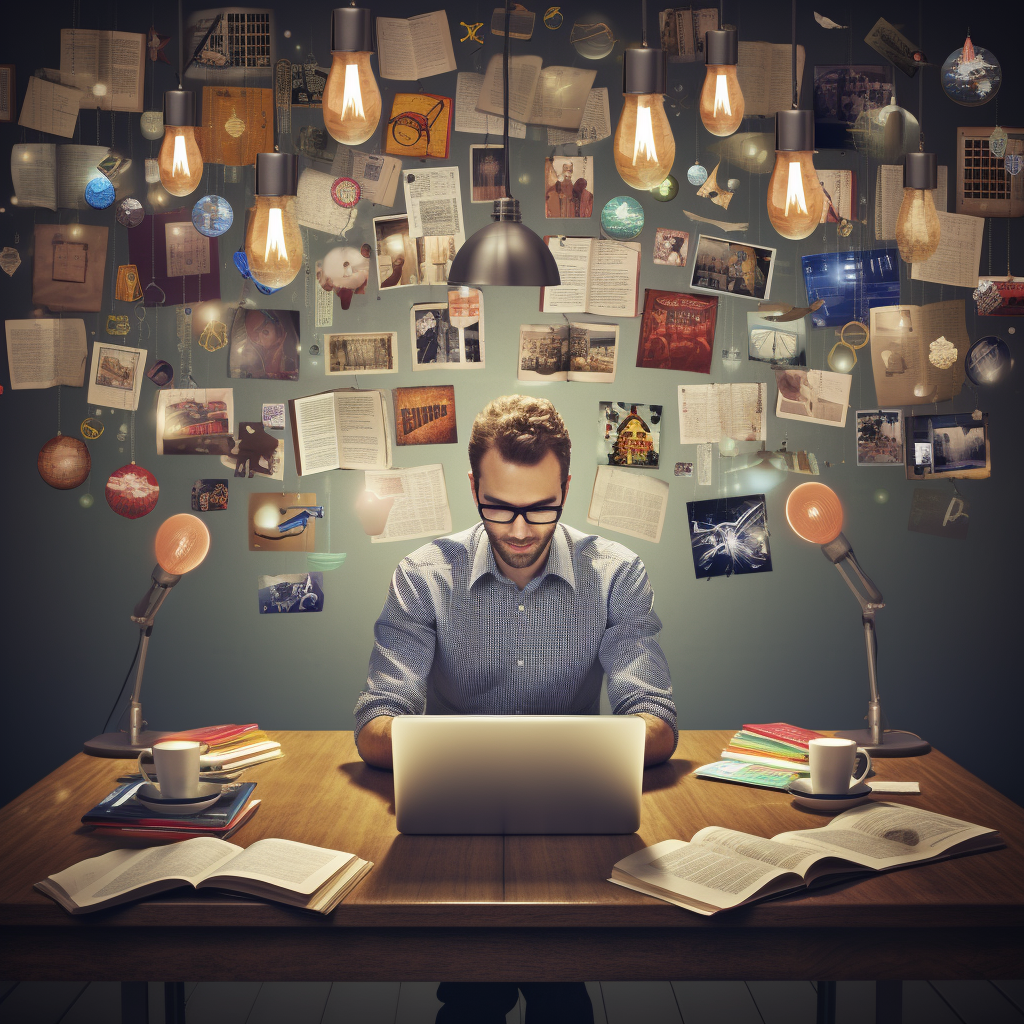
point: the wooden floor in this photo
(615, 1002)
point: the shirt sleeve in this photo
(404, 638)
(638, 676)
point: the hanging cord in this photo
(643, 28)
(508, 173)
(793, 20)
(920, 80)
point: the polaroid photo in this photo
(369, 352)
(628, 435)
(295, 592)
(397, 260)
(270, 510)
(736, 268)
(729, 536)
(196, 421)
(670, 247)
(568, 187)
(781, 344)
(954, 445)
(880, 437)
(683, 469)
(115, 376)
(256, 453)
(264, 344)
(814, 396)
(486, 173)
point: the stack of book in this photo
(121, 814)
(231, 747)
(771, 755)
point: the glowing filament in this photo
(180, 161)
(795, 189)
(722, 96)
(275, 237)
(352, 101)
(643, 144)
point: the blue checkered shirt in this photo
(457, 636)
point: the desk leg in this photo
(134, 1002)
(174, 1002)
(826, 1003)
(888, 1002)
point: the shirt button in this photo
(522, 607)
(520, 662)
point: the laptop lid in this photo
(517, 774)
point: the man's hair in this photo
(522, 430)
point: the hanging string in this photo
(794, 55)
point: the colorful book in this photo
(214, 735)
(774, 762)
(121, 807)
(172, 833)
(785, 733)
(748, 774)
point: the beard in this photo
(527, 557)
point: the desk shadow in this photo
(374, 780)
(665, 776)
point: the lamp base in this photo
(894, 744)
(115, 744)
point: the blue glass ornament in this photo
(697, 174)
(242, 263)
(99, 193)
(212, 216)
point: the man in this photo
(520, 614)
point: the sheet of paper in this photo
(764, 72)
(959, 254)
(889, 196)
(595, 126)
(815, 396)
(614, 278)
(7, 92)
(315, 208)
(115, 376)
(362, 429)
(629, 502)
(34, 174)
(376, 173)
(711, 412)
(49, 107)
(561, 97)
(469, 119)
(45, 353)
(573, 258)
(188, 251)
(316, 434)
(76, 167)
(704, 464)
(523, 75)
(421, 502)
(433, 201)
(421, 45)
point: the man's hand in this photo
(658, 743)
(374, 742)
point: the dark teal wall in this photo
(785, 645)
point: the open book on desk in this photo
(303, 876)
(721, 868)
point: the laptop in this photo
(517, 774)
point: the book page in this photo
(395, 56)
(523, 75)
(791, 856)
(764, 72)
(699, 418)
(45, 353)
(543, 352)
(595, 126)
(421, 502)
(593, 352)
(889, 196)
(711, 412)
(421, 45)
(280, 862)
(958, 257)
(316, 434)
(76, 167)
(34, 174)
(314, 207)
(614, 278)
(361, 430)
(573, 258)
(815, 396)
(49, 107)
(433, 200)
(629, 503)
(561, 97)
(469, 119)
(80, 60)
(121, 62)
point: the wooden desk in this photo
(516, 908)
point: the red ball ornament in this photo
(132, 491)
(64, 462)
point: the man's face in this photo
(518, 545)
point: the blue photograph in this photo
(851, 284)
(299, 592)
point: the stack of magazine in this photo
(773, 755)
(229, 748)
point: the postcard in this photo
(568, 186)
(296, 592)
(879, 437)
(670, 247)
(368, 352)
(197, 421)
(425, 415)
(781, 344)
(115, 376)
(737, 268)
(851, 284)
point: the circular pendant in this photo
(86, 500)
(622, 218)
(988, 361)
(132, 491)
(971, 75)
(666, 191)
(64, 462)
(212, 216)
(91, 428)
(553, 18)
(152, 124)
(314, 349)
(845, 228)
(697, 174)
(99, 193)
(130, 213)
(345, 192)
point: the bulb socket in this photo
(920, 170)
(721, 46)
(179, 108)
(644, 71)
(794, 131)
(277, 174)
(352, 30)
(506, 208)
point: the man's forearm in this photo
(659, 741)
(374, 742)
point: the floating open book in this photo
(720, 868)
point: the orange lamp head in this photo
(814, 513)
(181, 543)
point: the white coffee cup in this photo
(832, 764)
(177, 768)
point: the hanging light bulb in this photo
(351, 96)
(917, 225)
(644, 146)
(180, 162)
(273, 244)
(721, 100)
(795, 198)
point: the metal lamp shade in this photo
(504, 252)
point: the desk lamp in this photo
(182, 542)
(815, 514)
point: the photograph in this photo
(629, 435)
(430, 331)
(735, 267)
(256, 453)
(296, 592)
(842, 94)
(270, 510)
(117, 367)
(593, 350)
(729, 536)
(670, 247)
(879, 437)
(210, 496)
(815, 396)
(677, 331)
(543, 352)
(568, 186)
(777, 343)
(397, 259)
(959, 443)
(197, 421)
(425, 415)
(372, 352)
(486, 173)
(264, 344)
(448, 336)
(850, 284)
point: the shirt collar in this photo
(559, 558)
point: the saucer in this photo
(827, 803)
(149, 796)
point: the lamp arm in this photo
(145, 611)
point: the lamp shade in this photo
(182, 542)
(814, 513)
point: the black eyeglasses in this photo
(535, 515)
